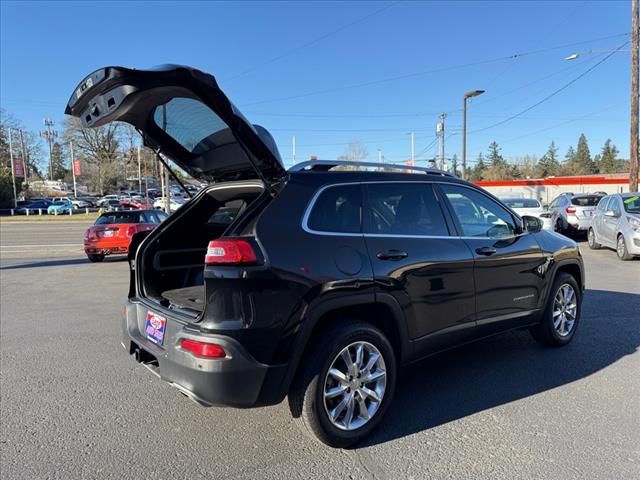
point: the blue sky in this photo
(331, 72)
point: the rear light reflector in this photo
(230, 251)
(571, 209)
(202, 349)
(131, 230)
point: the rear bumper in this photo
(106, 248)
(576, 223)
(237, 380)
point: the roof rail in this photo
(326, 165)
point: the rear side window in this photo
(586, 201)
(404, 209)
(155, 216)
(338, 209)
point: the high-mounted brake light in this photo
(230, 251)
(202, 349)
(571, 209)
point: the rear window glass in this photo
(521, 203)
(338, 209)
(587, 201)
(192, 124)
(120, 217)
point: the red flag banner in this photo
(18, 167)
(77, 170)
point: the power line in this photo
(312, 42)
(425, 72)
(548, 97)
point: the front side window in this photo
(338, 209)
(478, 215)
(404, 209)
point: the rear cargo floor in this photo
(189, 297)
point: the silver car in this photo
(531, 207)
(617, 225)
(573, 212)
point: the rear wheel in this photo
(95, 258)
(591, 240)
(562, 314)
(345, 385)
(621, 249)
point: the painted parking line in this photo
(48, 245)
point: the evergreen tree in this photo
(608, 161)
(581, 162)
(57, 162)
(478, 171)
(496, 160)
(548, 165)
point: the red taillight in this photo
(571, 209)
(230, 251)
(202, 349)
(131, 230)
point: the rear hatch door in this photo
(585, 205)
(183, 113)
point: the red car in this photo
(139, 203)
(112, 232)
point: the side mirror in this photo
(611, 213)
(531, 224)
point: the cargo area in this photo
(172, 264)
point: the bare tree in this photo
(354, 152)
(98, 148)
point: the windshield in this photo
(522, 202)
(586, 201)
(632, 204)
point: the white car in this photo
(531, 207)
(174, 203)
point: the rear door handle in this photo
(485, 251)
(392, 255)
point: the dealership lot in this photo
(74, 405)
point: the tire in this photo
(553, 334)
(306, 397)
(558, 228)
(95, 258)
(621, 249)
(591, 240)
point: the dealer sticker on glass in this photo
(154, 327)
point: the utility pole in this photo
(13, 172)
(49, 134)
(293, 147)
(633, 151)
(440, 133)
(73, 170)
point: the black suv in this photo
(317, 283)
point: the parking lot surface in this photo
(74, 405)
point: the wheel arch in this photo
(380, 310)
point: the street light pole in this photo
(472, 93)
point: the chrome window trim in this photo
(313, 200)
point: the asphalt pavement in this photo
(74, 405)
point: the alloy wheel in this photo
(565, 307)
(354, 386)
(620, 246)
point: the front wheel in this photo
(591, 240)
(561, 316)
(621, 249)
(345, 385)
